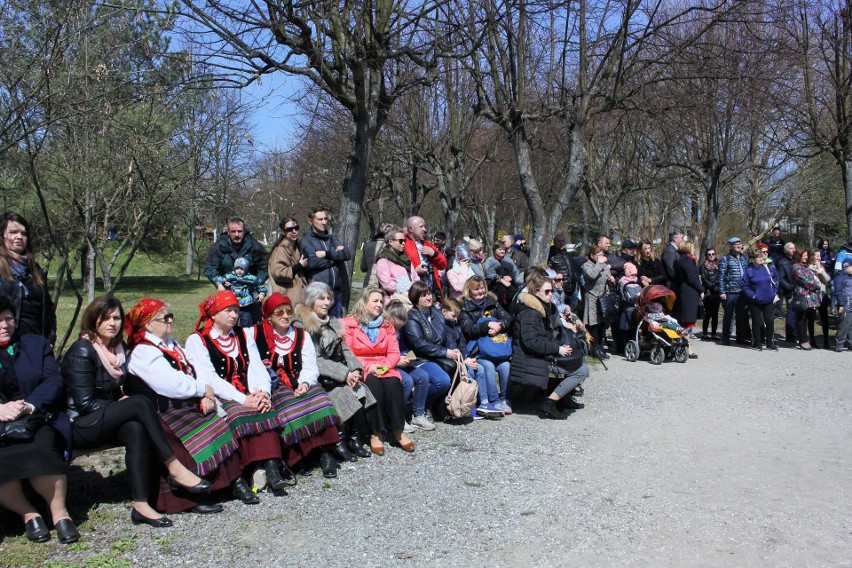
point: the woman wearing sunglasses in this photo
(201, 440)
(393, 267)
(709, 272)
(286, 262)
(539, 340)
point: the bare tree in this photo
(821, 96)
(358, 53)
(543, 59)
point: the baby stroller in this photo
(659, 342)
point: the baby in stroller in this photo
(656, 332)
(665, 321)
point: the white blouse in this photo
(149, 364)
(258, 377)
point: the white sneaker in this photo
(408, 428)
(422, 422)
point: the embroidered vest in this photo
(233, 370)
(289, 366)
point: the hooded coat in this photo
(537, 334)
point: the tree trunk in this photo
(539, 237)
(190, 244)
(90, 262)
(846, 166)
(354, 190)
(712, 208)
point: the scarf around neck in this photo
(112, 362)
(371, 329)
(398, 259)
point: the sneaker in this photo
(475, 415)
(488, 410)
(504, 407)
(422, 422)
(408, 428)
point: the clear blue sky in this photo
(275, 121)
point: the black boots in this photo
(240, 490)
(274, 479)
(550, 411)
(328, 464)
(356, 447)
(342, 451)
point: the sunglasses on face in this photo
(400, 241)
(282, 313)
(292, 228)
(547, 292)
(167, 318)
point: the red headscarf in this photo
(139, 315)
(272, 302)
(211, 306)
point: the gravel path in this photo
(735, 459)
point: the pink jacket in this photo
(384, 353)
(387, 272)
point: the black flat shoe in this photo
(36, 530)
(343, 452)
(202, 486)
(137, 518)
(578, 391)
(208, 508)
(67, 531)
(240, 490)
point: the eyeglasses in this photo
(711, 254)
(547, 292)
(282, 313)
(559, 279)
(292, 228)
(400, 241)
(167, 318)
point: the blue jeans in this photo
(486, 378)
(430, 383)
(407, 386)
(336, 309)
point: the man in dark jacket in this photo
(671, 254)
(785, 291)
(326, 257)
(238, 242)
(563, 262)
(516, 255)
(775, 244)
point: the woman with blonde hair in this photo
(372, 338)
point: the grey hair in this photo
(314, 291)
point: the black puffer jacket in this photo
(89, 386)
(471, 313)
(535, 332)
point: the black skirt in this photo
(42, 456)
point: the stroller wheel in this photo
(631, 350)
(657, 355)
(680, 353)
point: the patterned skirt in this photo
(246, 421)
(207, 438)
(305, 422)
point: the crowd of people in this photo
(276, 376)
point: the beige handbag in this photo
(463, 392)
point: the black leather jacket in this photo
(89, 386)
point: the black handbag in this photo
(609, 305)
(799, 304)
(22, 430)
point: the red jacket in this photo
(439, 261)
(384, 353)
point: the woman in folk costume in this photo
(308, 418)
(226, 358)
(201, 439)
